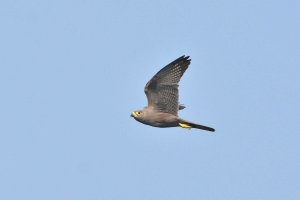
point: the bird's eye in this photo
(138, 112)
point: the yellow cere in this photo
(134, 114)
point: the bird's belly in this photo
(163, 123)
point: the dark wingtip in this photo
(187, 58)
(183, 59)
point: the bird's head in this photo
(138, 115)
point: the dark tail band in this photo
(193, 125)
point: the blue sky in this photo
(71, 72)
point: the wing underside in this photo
(162, 90)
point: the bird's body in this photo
(159, 119)
(162, 95)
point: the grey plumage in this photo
(162, 95)
(162, 89)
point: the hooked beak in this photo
(133, 114)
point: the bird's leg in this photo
(185, 126)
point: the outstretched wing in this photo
(162, 89)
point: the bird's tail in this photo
(185, 124)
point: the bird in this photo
(163, 98)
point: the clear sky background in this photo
(71, 72)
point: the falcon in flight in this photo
(162, 95)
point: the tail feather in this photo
(186, 124)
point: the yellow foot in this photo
(185, 126)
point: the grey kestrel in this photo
(162, 95)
